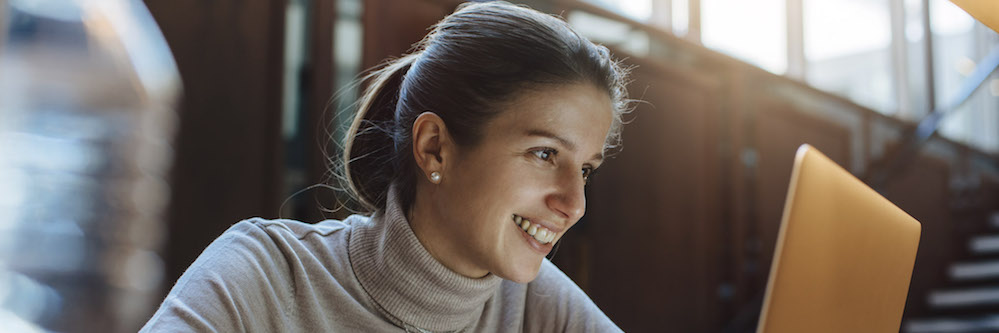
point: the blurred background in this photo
(133, 133)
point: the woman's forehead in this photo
(579, 114)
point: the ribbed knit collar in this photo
(411, 286)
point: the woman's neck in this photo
(429, 226)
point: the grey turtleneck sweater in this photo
(360, 274)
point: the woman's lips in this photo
(538, 237)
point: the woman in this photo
(472, 154)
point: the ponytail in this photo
(370, 160)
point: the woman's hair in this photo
(470, 63)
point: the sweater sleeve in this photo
(556, 304)
(231, 287)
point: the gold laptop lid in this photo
(986, 11)
(844, 254)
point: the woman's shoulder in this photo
(556, 303)
(261, 229)
(259, 240)
(258, 266)
(295, 228)
(274, 249)
(289, 243)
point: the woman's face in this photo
(528, 171)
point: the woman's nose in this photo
(569, 200)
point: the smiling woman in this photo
(471, 155)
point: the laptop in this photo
(844, 255)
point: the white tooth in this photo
(532, 230)
(517, 219)
(548, 237)
(526, 224)
(541, 235)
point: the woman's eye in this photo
(545, 154)
(587, 172)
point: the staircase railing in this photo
(930, 124)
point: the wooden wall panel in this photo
(391, 27)
(780, 130)
(776, 132)
(975, 203)
(651, 217)
(988, 200)
(319, 113)
(922, 190)
(228, 155)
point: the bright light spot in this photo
(913, 31)
(947, 18)
(638, 9)
(754, 31)
(681, 17)
(965, 66)
(836, 28)
(599, 29)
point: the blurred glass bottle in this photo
(87, 96)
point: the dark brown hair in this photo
(463, 70)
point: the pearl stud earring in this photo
(435, 177)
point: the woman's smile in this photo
(541, 234)
(533, 243)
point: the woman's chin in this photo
(523, 273)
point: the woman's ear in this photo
(431, 144)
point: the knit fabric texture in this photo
(358, 275)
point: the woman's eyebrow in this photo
(599, 157)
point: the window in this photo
(848, 50)
(753, 31)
